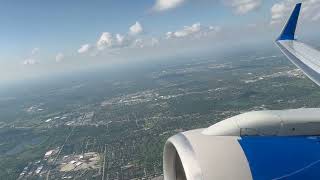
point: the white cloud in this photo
(311, 10)
(211, 30)
(35, 51)
(163, 5)
(169, 35)
(120, 39)
(186, 31)
(195, 30)
(108, 40)
(84, 48)
(215, 28)
(105, 41)
(239, 6)
(281, 11)
(136, 29)
(243, 6)
(144, 42)
(59, 57)
(29, 61)
(138, 43)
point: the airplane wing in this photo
(259, 145)
(303, 56)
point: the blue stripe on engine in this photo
(282, 158)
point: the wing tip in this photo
(288, 32)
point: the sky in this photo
(40, 38)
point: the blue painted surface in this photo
(285, 158)
(290, 28)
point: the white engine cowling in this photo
(214, 153)
(192, 155)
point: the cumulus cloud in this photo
(280, 11)
(215, 28)
(239, 6)
(243, 6)
(144, 42)
(108, 40)
(211, 30)
(29, 61)
(116, 41)
(186, 31)
(195, 30)
(120, 39)
(105, 41)
(169, 35)
(138, 43)
(84, 48)
(59, 57)
(136, 29)
(163, 5)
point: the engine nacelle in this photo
(221, 151)
(192, 155)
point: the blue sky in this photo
(58, 25)
(63, 34)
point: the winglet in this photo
(290, 28)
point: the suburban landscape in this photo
(113, 125)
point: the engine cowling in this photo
(192, 155)
(221, 151)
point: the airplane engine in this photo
(192, 155)
(254, 145)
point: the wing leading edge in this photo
(303, 56)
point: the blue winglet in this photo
(290, 28)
